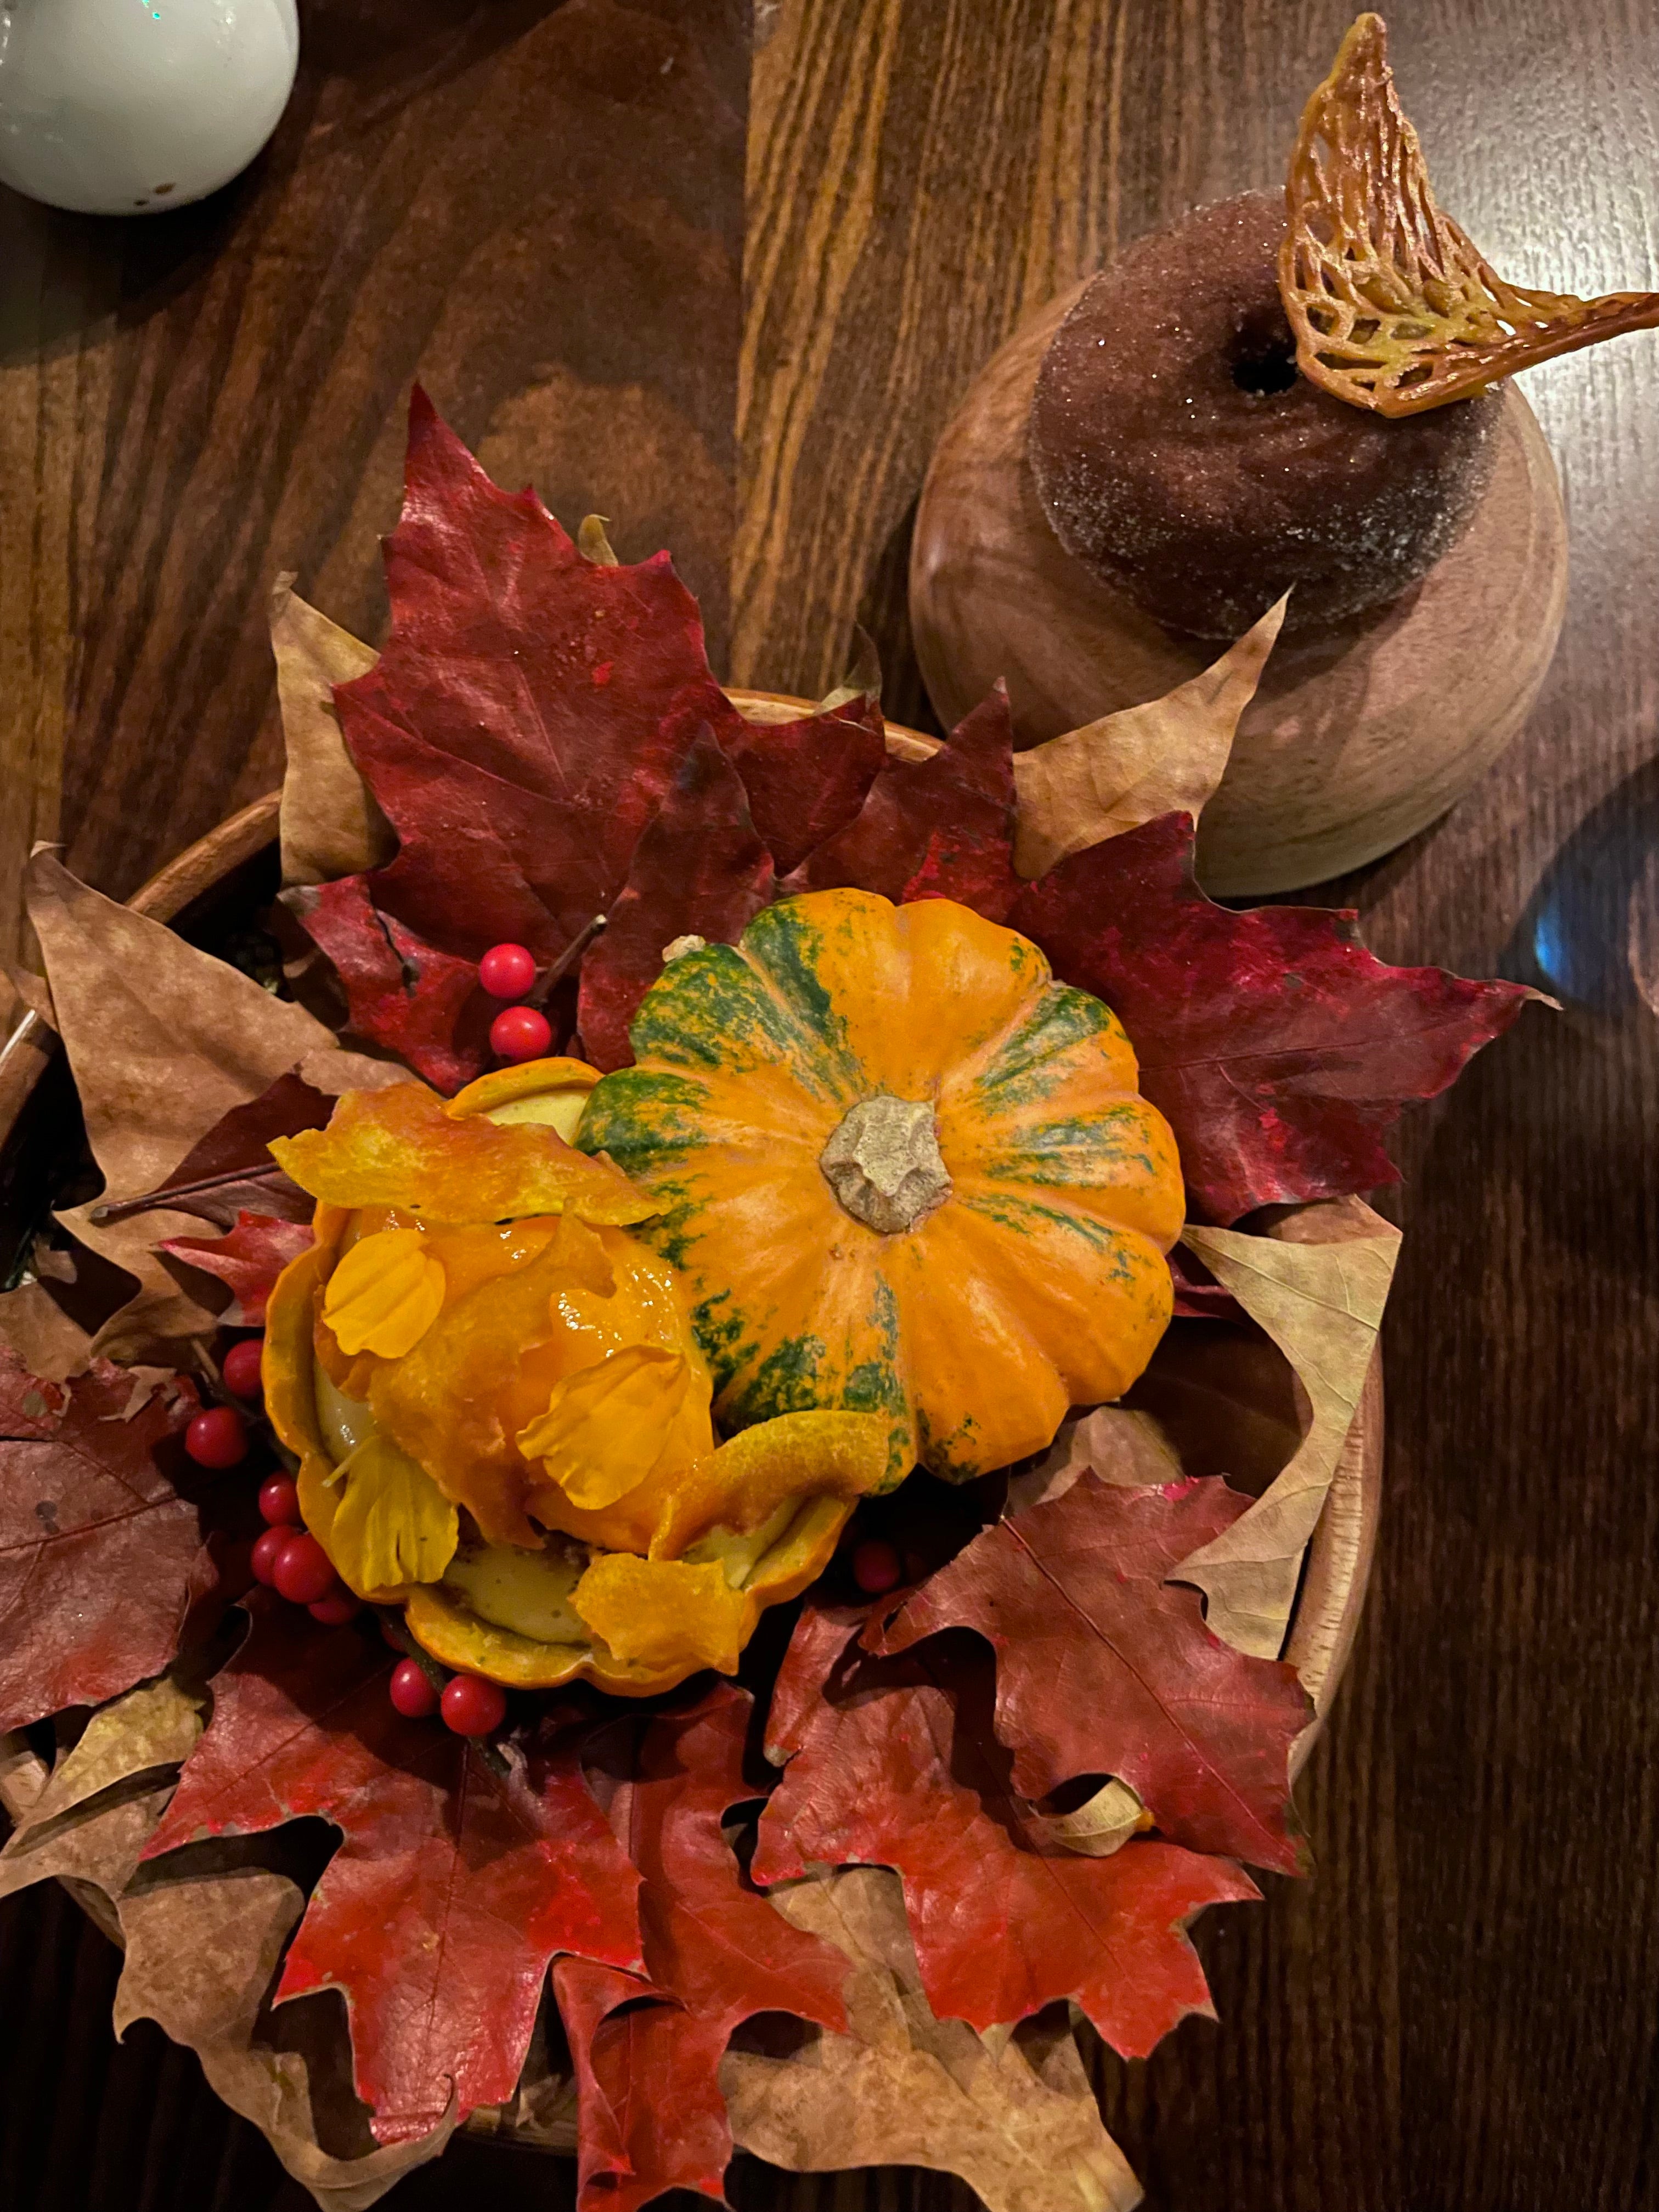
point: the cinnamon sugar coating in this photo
(1180, 456)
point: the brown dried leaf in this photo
(1164, 758)
(331, 823)
(1321, 1303)
(100, 1806)
(203, 1947)
(162, 1040)
(1392, 306)
(1100, 1827)
(204, 1938)
(49, 1344)
(1016, 2119)
(1123, 1445)
(30, 992)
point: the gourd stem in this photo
(882, 1162)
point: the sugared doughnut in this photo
(1179, 455)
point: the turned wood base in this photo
(1358, 737)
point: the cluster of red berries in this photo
(288, 1559)
(508, 971)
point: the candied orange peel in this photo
(1392, 306)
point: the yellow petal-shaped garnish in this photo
(393, 1525)
(384, 1294)
(400, 1147)
(609, 1426)
(665, 1613)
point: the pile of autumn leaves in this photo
(541, 742)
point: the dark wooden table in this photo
(725, 282)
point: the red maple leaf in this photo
(402, 994)
(700, 869)
(526, 719)
(454, 1884)
(100, 1558)
(807, 778)
(942, 828)
(1277, 1046)
(648, 2054)
(249, 1257)
(899, 1766)
(1103, 1667)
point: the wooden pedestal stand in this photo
(1356, 739)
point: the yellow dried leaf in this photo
(393, 1525)
(1321, 1303)
(608, 1427)
(665, 1613)
(384, 1294)
(1392, 306)
(400, 1147)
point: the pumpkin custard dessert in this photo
(728, 1362)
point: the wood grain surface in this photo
(1460, 2013)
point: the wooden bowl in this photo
(1356, 739)
(1237, 1408)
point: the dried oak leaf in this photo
(1166, 757)
(401, 993)
(700, 869)
(99, 1808)
(895, 1762)
(1015, 2116)
(249, 1257)
(453, 1886)
(648, 2053)
(1278, 1049)
(938, 828)
(162, 1040)
(1103, 1667)
(1393, 306)
(99, 1557)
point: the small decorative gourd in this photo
(903, 1172)
(501, 1411)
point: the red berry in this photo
(303, 1571)
(507, 971)
(279, 1501)
(265, 1555)
(413, 1690)
(876, 1567)
(337, 1608)
(241, 1367)
(217, 1438)
(519, 1033)
(472, 1706)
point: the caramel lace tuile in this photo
(1392, 306)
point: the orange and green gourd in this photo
(501, 1415)
(904, 1172)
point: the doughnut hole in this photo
(1180, 458)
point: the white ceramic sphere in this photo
(133, 107)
